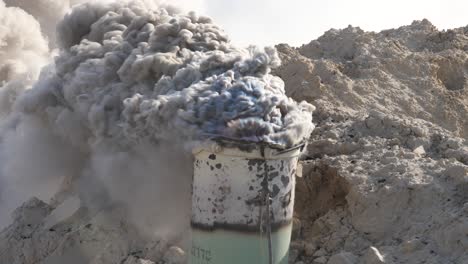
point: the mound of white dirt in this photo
(385, 177)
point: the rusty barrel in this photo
(242, 205)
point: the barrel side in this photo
(229, 207)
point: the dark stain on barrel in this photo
(258, 163)
(212, 157)
(275, 191)
(273, 175)
(255, 162)
(285, 180)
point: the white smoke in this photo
(47, 12)
(33, 163)
(23, 52)
(152, 182)
(135, 83)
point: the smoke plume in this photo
(134, 86)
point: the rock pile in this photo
(385, 177)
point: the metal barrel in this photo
(242, 205)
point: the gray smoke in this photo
(134, 86)
(130, 72)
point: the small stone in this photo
(320, 260)
(465, 207)
(299, 170)
(453, 143)
(134, 260)
(174, 255)
(412, 245)
(373, 256)
(419, 151)
(298, 245)
(319, 253)
(293, 255)
(332, 134)
(459, 173)
(343, 258)
(310, 249)
(296, 231)
(155, 249)
(409, 155)
(389, 160)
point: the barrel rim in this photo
(247, 149)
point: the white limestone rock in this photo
(373, 256)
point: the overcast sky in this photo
(268, 22)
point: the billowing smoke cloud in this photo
(131, 72)
(47, 12)
(135, 84)
(23, 52)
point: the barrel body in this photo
(230, 220)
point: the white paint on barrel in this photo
(228, 200)
(227, 187)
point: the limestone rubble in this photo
(385, 176)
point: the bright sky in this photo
(296, 22)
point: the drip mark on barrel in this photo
(255, 162)
(286, 199)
